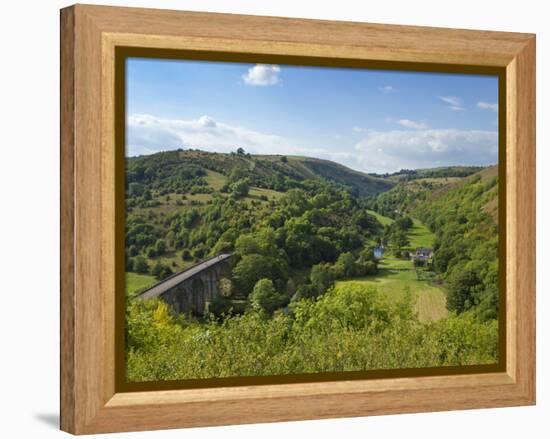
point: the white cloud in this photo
(262, 75)
(378, 151)
(407, 123)
(206, 121)
(359, 129)
(387, 89)
(487, 106)
(147, 134)
(451, 100)
(388, 151)
(454, 102)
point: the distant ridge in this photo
(263, 170)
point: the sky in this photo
(369, 120)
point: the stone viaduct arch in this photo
(192, 290)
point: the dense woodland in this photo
(300, 229)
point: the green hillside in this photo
(363, 184)
(442, 172)
(185, 170)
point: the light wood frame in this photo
(89, 36)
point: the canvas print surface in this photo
(285, 220)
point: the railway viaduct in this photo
(190, 291)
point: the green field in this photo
(420, 236)
(136, 282)
(256, 192)
(389, 261)
(395, 274)
(384, 220)
(215, 180)
(430, 299)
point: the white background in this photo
(29, 219)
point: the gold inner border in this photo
(121, 55)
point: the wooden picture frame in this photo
(91, 402)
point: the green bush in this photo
(344, 330)
(265, 297)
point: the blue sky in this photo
(370, 120)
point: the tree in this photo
(265, 297)
(135, 189)
(404, 223)
(157, 270)
(369, 267)
(161, 271)
(140, 265)
(284, 159)
(129, 264)
(186, 255)
(296, 201)
(442, 257)
(247, 245)
(160, 246)
(345, 265)
(151, 253)
(240, 151)
(364, 220)
(461, 288)
(240, 188)
(236, 174)
(350, 238)
(133, 250)
(322, 277)
(249, 270)
(290, 288)
(367, 255)
(399, 239)
(199, 251)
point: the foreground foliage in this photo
(347, 329)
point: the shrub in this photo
(140, 265)
(265, 297)
(347, 329)
(186, 255)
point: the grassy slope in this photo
(304, 168)
(384, 220)
(136, 282)
(364, 184)
(430, 300)
(420, 236)
(445, 172)
(295, 167)
(397, 274)
(491, 207)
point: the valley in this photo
(309, 240)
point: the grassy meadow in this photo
(136, 282)
(397, 276)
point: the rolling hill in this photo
(263, 171)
